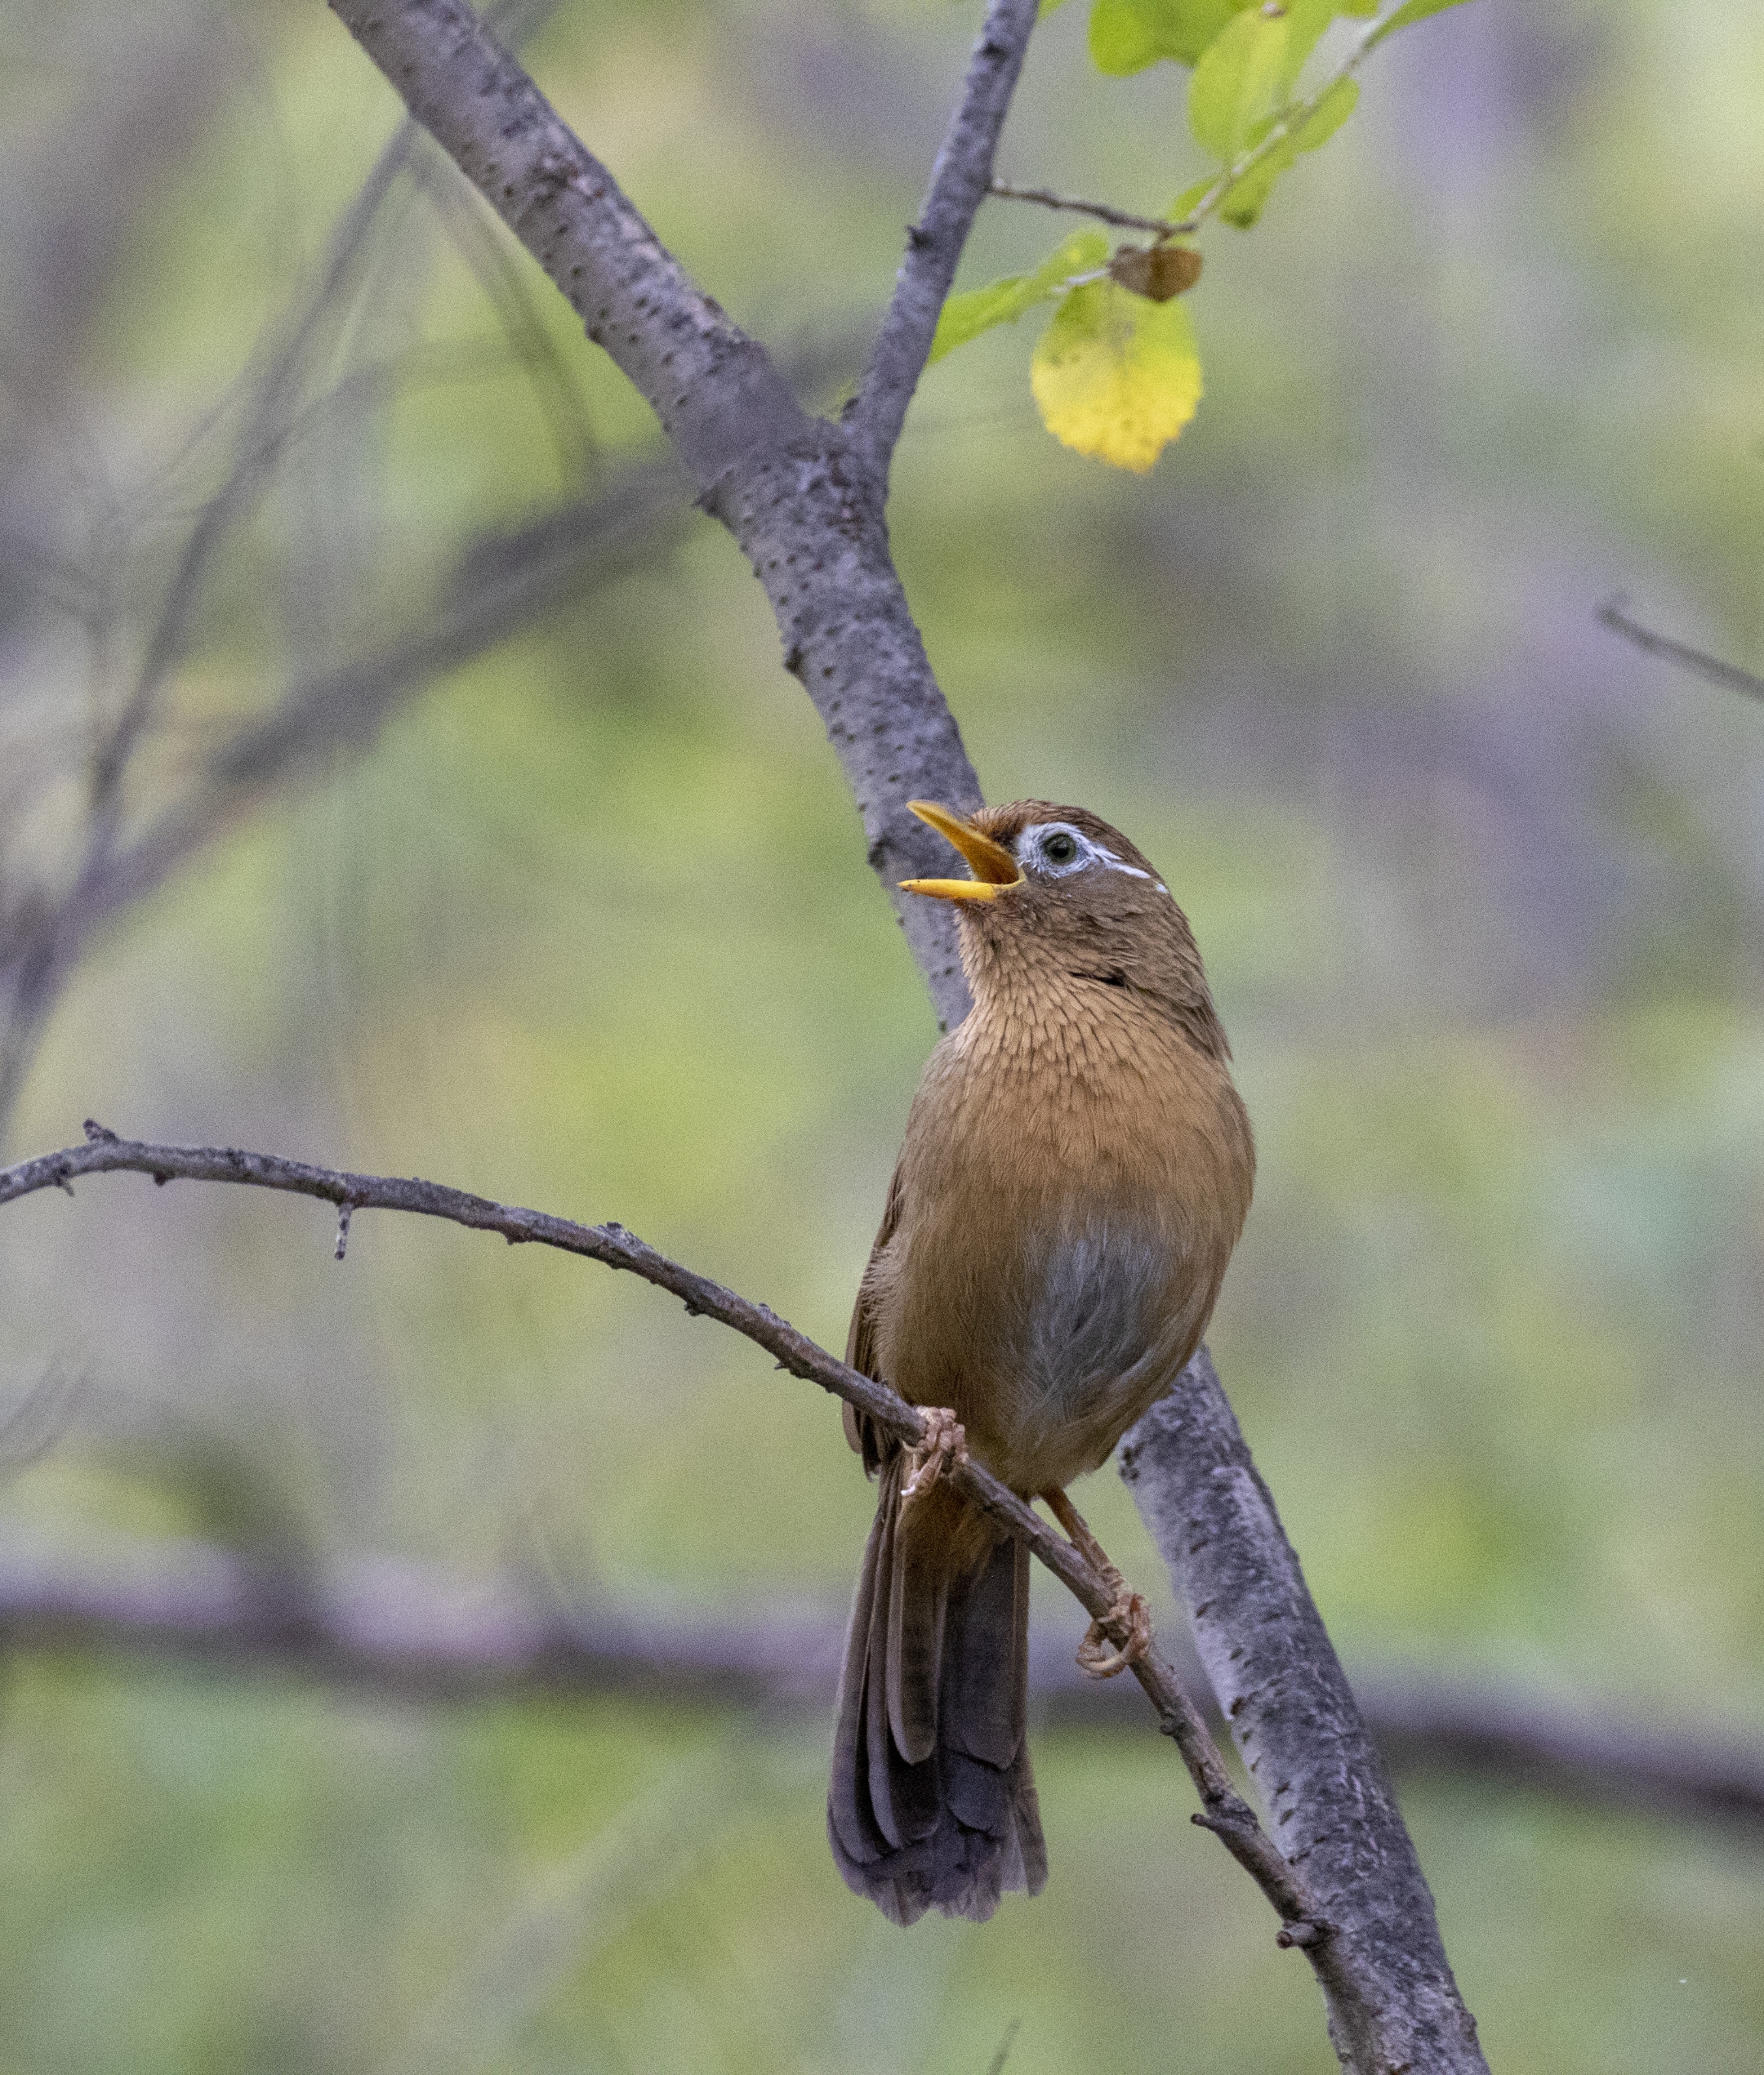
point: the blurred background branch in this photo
(117, 776)
(413, 1633)
(1711, 669)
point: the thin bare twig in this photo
(1698, 662)
(1224, 1810)
(1100, 210)
(958, 182)
(1005, 2046)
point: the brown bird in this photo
(1076, 1168)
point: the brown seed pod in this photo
(1157, 271)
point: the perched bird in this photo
(1076, 1168)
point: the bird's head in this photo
(1057, 895)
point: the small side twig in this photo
(1698, 662)
(959, 183)
(1122, 218)
(1224, 1810)
(1005, 2046)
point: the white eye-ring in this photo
(1055, 849)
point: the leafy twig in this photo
(958, 184)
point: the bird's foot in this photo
(1123, 1635)
(1127, 1626)
(945, 1445)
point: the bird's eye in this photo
(1059, 848)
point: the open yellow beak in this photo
(995, 870)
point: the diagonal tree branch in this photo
(960, 181)
(803, 502)
(1292, 1717)
(1223, 1810)
(1006, 192)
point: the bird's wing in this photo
(874, 1447)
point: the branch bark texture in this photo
(803, 498)
(960, 181)
(1292, 1715)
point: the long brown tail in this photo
(933, 1803)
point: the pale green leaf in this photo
(1122, 38)
(1249, 196)
(1410, 12)
(1189, 199)
(966, 316)
(1306, 21)
(1127, 35)
(1116, 376)
(1237, 84)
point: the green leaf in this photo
(1249, 196)
(1306, 21)
(1127, 35)
(1236, 85)
(1116, 376)
(1188, 200)
(1410, 12)
(966, 316)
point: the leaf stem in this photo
(1294, 118)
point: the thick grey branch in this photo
(960, 181)
(1393, 2003)
(805, 504)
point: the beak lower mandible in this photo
(995, 870)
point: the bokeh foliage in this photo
(590, 927)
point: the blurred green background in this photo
(587, 925)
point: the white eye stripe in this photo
(1116, 865)
(1088, 852)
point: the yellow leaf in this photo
(1116, 376)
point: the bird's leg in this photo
(946, 1442)
(1129, 1618)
